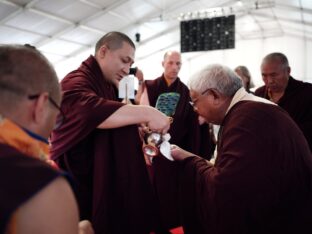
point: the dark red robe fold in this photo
(297, 101)
(114, 190)
(261, 181)
(21, 178)
(185, 132)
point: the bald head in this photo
(172, 64)
(24, 71)
(170, 53)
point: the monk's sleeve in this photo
(85, 106)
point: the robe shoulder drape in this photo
(297, 101)
(261, 180)
(21, 178)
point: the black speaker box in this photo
(208, 34)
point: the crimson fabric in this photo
(108, 166)
(297, 101)
(21, 177)
(185, 132)
(261, 181)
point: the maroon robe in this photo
(185, 132)
(108, 166)
(261, 181)
(21, 178)
(297, 101)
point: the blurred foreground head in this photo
(29, 89)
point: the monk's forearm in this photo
(136, 114)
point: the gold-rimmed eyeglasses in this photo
(193, 102)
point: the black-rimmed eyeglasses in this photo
(193, 103)
(61, 116)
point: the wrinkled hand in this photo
(179, 154)
(158, 122)
(85, 227)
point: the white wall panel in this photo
(247, 52)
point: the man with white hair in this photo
(261, 180)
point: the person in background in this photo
(138, 74)
(244, 74)
(185, 131)
(292, 95)
(99, 143)
(261, 181)
(35, 197)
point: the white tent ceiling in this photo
(64, 29)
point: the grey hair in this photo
(218, 77)
(276, 56)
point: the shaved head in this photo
(113, 40)
(172, 64)
(276, 56)
(24, 71)
(169, 53)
